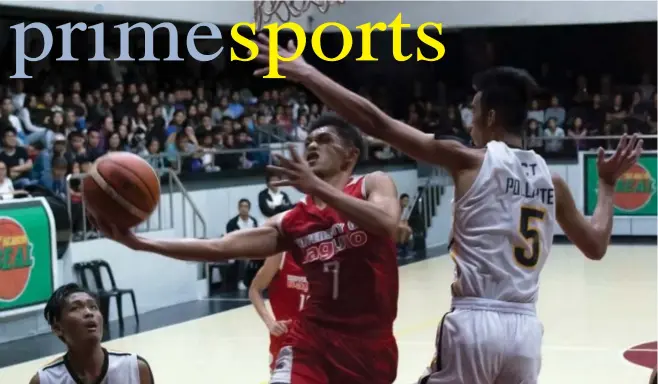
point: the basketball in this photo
(121, 188)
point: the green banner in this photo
(635, 192)
(28, 255)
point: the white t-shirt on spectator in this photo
(553, 145)
(536, 115)
(6, 189)
(467, 117)
(16, 123)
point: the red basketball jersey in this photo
(352, 273)
(288, 290)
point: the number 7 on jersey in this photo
(334, 268)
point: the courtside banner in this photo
(635, 192)
(28, 255)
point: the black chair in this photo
(95, 269)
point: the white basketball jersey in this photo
(118, 368)
(503, 227)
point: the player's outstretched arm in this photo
(260, 283)
(35, 379)
(256, 243)
(593, 236)
(366, 116)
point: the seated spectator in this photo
(242, 221)
(555, 111)
(577, 132)
(533, 136)
(272, 200)
(94, 147)
(16, 159)
(616, 111)
(596, 114)
(6, 186)
(55, 182)
(74, 316)
(535, 113)
(553, 135)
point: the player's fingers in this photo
(262, 72)
(600, 155)
(620, 147)
(262, 58)
(291, 46)
(294, 154)
(284, 161)
(631, 143)
(280, 171)
(264, 39)
(283, 183)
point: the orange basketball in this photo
(121, 188)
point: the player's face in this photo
(482, 121)
(326, 153)
(81, 322)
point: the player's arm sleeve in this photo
(591, 237)
(360, 112)
(145, 373)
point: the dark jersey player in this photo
(287, 289)
(74, 317)
(342, 237)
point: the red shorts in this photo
(314, 355)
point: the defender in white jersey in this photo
(74, 317)
(505, 212)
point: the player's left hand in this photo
(627, 153)
(294, 70)
(295, 172)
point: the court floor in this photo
(592, 313)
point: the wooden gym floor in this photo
(592, 313)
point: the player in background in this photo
(341, 234)
(74, 317)
(287, 289)
(506, 204)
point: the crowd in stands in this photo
(605, 109)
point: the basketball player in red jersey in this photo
(288, 291)
(341, 235)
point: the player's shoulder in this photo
(144, 368)
(56, 362)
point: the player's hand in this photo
(110, 231)
(295, 172)
(279, 328)
(294, 70)
(627, 153)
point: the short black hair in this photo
(244, 200)
(53, 310)
(508, 91)
(402, 196)
(9, 130)
(348, 133)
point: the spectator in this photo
(616, 111)
(535, 113)
(577, 132)
(553, 135)
(272, 200)
(555, 111)
(6, 186)
(55, 182)
(533, 137)
(7, 113)
(15, 159)
(242, 221)
(596, 115)
(646, 88)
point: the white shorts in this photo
(485, 341)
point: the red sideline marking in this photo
(644, 355)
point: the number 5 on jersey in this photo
(532, 234)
